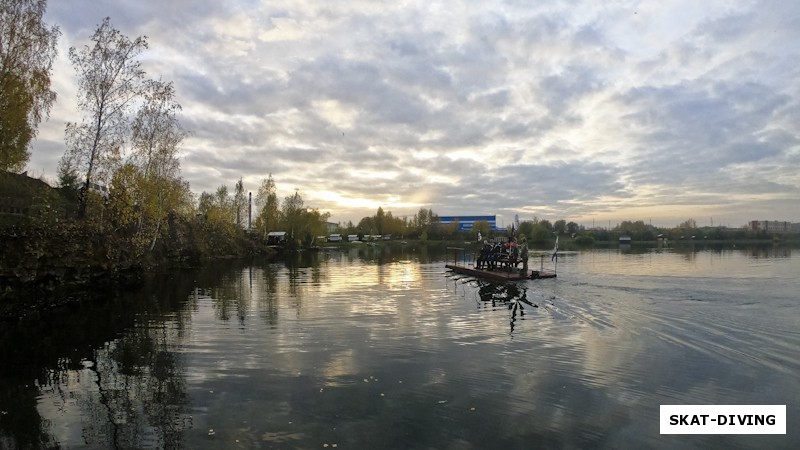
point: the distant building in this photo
(465, 223)
(771, 226)
(332, 227)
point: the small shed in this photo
(276, 238)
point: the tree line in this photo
(120, 172)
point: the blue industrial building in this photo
(465, 223)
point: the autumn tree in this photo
(224, 206)
(383, 222)
(109, 80)
(393, 225)
(526, 228)
(560, 226)
(637, 230)
(572, 228)
(421, 220)
(366, 226)
(482, 227)
(15, 129)
(380, 221)
(27, 51)
(425, 220)
(541, 231)
(292, 211)
(156, 132)
(302, 223)
(205, 204)
(267, 207)
(155, 142)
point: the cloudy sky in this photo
(582, 110)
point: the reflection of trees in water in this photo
(765, 252)
(21, 425)
(691, 250)
(123, 391)
(268, 300)
(134, 394)
(230, 288)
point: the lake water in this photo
(382, 348)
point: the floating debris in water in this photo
(472, 409)
(442, 401)
(382, 394)
(211, 432)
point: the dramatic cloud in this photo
(624, 110)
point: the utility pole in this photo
(250, 212)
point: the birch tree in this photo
(267, 205)
(27, 51)
(156, 138)
(302, 223)
(156, 132)
(109, 80)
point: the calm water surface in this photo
(382, 348)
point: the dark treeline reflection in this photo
(110, 362)
(690, 249)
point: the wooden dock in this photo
(499, 275)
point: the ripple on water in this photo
(369, 353)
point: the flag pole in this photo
(555, 257)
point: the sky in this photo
(593, 112)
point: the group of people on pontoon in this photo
(504, 255)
